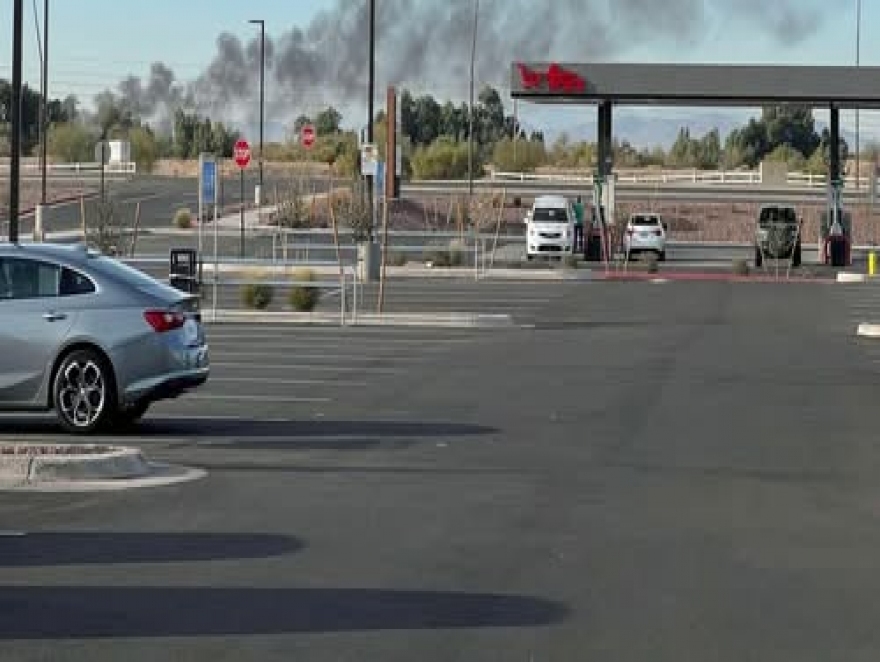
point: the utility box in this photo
(185, 270)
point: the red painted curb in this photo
(29, 211)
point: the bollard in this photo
(872, 263)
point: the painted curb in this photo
(161, 475)
(450, 319)
(868, 330)
(848, 277)
(332, 270)
(117, 464)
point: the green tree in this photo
(518, 155)
(71, 142)
(144, 148)
(445, 158)
(300, 122)
(328, 122)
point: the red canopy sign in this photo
(556, 79)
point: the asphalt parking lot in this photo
(679, 471)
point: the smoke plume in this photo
(425, 45)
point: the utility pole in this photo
(262, 24)
(44, 110)
(371, 85)
(858, 64)
(15, 133)
(471, 108)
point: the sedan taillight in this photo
(164, 320)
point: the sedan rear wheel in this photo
(83, 392)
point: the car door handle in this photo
(54, 317)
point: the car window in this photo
(74, 283)
(645, 221)
(28, 279)
(550, 215)
(773, 215)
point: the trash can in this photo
(185, 270)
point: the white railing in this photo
(121, 168)
(691, 176)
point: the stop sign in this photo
(241, 153)
(307, 135)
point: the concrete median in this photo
(78, 467)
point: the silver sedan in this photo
(92, 338)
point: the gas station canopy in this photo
(696, 84)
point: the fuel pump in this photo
(835, 230)
(597, 246)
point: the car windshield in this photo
(550, 215)
(645, 221)
(773, 215)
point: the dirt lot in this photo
(30, 193)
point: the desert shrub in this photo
(183, 219)
(257, 296)
(304, 298)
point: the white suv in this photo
(645, 233)
(550, 227)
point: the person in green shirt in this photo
(578, 207)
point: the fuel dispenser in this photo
(597, 242)
(835, 231)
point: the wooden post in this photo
(82, 217)
(391, 143)
(498, 227)
(137, 224)
(384, 256)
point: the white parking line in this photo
(219, 418)
(348, 358)
(286, 382)
(288, 339)
(306, 367)
(259, 398)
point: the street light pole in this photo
(471, 107)
(15, 133)
(44, 111)
(471, 104)
(371, 93)
(262, 24)
(858, 64)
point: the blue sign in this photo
(209, 181)
(379, 188)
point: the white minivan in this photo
(550, 227)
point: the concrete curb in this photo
(116, 463)
(161, 475)
(332, 270)
(444, 319)
(867, 330)
(849, 277)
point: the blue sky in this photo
(95, 43)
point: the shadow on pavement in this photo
(99, 548)
(84, 612)
(360, 432)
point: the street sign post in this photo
(307, 136)
(369, 157)
(207, 189)
(242, 154)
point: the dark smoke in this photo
(425, 45)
